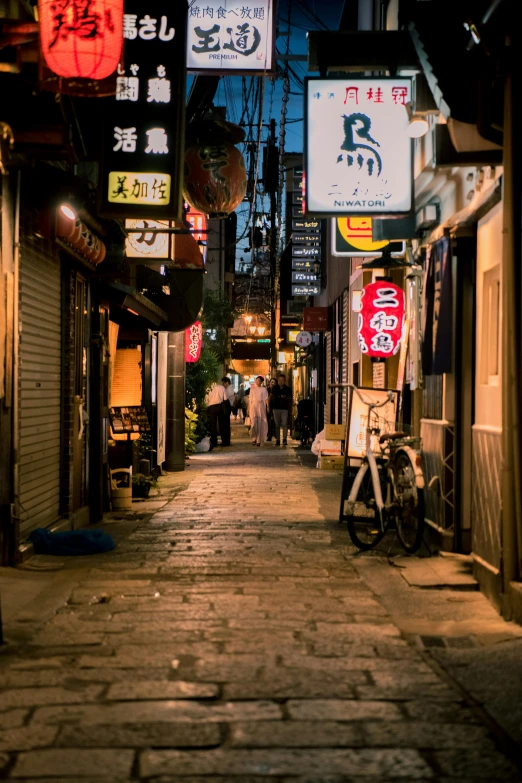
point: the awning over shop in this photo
(130, 300)
(252, 350)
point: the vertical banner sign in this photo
(306, 244)
(358, 155)
(143, 145)
(161, 396)
(193, 342)
(381, 319)
(230, 36)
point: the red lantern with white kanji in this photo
(81, 38)
(193, 342)
(381, 319)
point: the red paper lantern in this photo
(215, 178)
(81, 38)
(193, 341)
(381, 319)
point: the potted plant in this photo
(141, 485)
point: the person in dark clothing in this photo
(271, 421)
(224, 419)
(216, 400)
(281, 402)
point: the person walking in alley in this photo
(271, 422)
(281, 402)
(217, 400)
(224, 426)
(257, 412)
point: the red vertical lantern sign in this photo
(81, 38)
(193, 341)
(381, 319)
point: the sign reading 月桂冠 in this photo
(358, 155)
(230, 35)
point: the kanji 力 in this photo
(157, 141)
(126, 139)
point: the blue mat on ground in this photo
(71, 542)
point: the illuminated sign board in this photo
(306, 290)
(193, 342)
(141, 242)
(230, 35)
(304, 277)
(358, 155)
(381, 319)
(352, 238)
(142, 160)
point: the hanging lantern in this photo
(193, 342)
(215, 175)
(381, 319)
(81, 38)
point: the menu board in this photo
(132, 418)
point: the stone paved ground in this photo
(230, 638)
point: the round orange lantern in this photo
(215, 180)
(81, 38)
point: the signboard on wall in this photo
(230, 36)
(141, 242)
(352, 238)
(161, 408)
(358, 155)
(143, 130)
(359, 420)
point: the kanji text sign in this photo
(381, 319)
(230, 35)
(358, 152)
(143, 130)
(133, 187)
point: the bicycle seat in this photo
(391, 436)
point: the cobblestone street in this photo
(231, 637)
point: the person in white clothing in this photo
(257, 411)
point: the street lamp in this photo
(261, 330)
(248, 318)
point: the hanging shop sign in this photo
(81, 38)
(304, 277)
(230, 36)
(352, 238)
(306, 252)
(303, 339)
(141, 242)
(306, 290)
(198, 221)
(381, 319)
(215, 180)
(316, 319)
(358, 155)
(193, 342)
(76, 235)
(142, 161)
(303, 264)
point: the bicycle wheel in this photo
(410, 510)
(366, 525)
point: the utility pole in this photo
(175, 456)
(271, 186)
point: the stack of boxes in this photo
(331, 455)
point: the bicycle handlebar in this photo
(371, 405)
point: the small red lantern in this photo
(81, 38)
(193, 341)
(381, 319)
(215, 173)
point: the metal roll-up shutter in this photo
(39, 382)
(328, 406)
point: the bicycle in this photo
(389, 484)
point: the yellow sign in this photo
(141, 242)
(136, 187)
(291, 335)
(357, 231)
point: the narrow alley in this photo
(233, 636)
